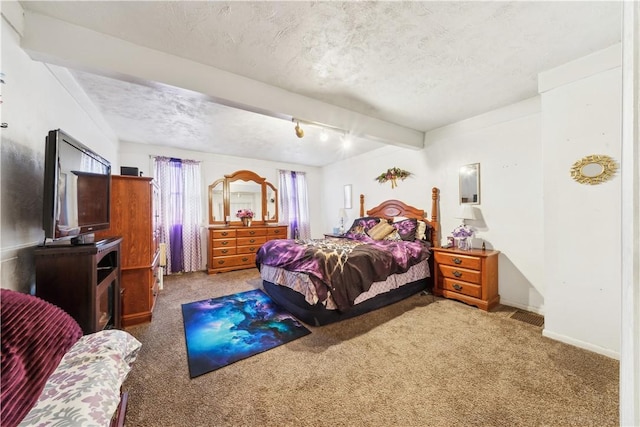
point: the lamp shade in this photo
(466, 212)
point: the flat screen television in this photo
(77, 191)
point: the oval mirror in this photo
(469, 178)
(592, 169)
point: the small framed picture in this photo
(347, 196)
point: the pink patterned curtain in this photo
(181, 212)
(294, 203)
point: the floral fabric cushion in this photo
(407, 229)
(85, 388)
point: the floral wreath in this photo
(393, 174)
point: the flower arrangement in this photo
(244, 213)
(393, 174)
(462, 231)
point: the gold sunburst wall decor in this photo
(594, 169)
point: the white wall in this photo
(35, 100)
(559, 240)
(581, 115)
(506, 143)
(215, 166)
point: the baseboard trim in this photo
(581, 344)
(537, 310)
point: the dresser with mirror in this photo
(232, 242)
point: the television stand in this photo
(83, 280)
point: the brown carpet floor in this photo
(424, 361)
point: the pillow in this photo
(407, 229)
(380, 230)
(95, 367)
(35, 337)
(421, 230)
(361, 226)
(393, 235)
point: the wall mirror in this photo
(469, 176)
(594, 169)
(242, 190)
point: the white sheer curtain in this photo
(294, 203)
(180, 212)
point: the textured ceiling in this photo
(421, 65)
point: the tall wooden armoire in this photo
(134, 216)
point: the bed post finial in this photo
(435, 232)
(361, 205)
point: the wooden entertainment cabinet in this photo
(83, 280)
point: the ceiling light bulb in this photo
(299, 131)
(324, 136)
(346, 141)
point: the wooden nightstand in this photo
(468, 276)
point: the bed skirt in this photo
(318, 315)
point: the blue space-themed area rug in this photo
(220, 331)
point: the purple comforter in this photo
(345, 267)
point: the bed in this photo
(383, 258)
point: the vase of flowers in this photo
(246, 216)
(462, 235)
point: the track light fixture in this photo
(299, 131)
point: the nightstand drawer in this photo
(465, 288)
(464, 261)
(463, 274)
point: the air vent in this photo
(528, 317)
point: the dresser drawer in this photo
(251, 241)
(465, 288)
(234, 261)
(277, 232)
(223, 233)
(464, 261)
(251, 232)
(224, 251)
(463, 274)
(224, 243)
(248, 249)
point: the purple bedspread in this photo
(345, 267)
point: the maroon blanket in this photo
(345, 267)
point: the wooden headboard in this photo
(391, 208)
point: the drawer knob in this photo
(457, 261)
(457, 287)
(245, 259)
(457, 273)
(225, 243)
(224, 251)
(252, 232)
(221, 262)
(224, 233)
(276, 231)
(252, 241)
(252, 248)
